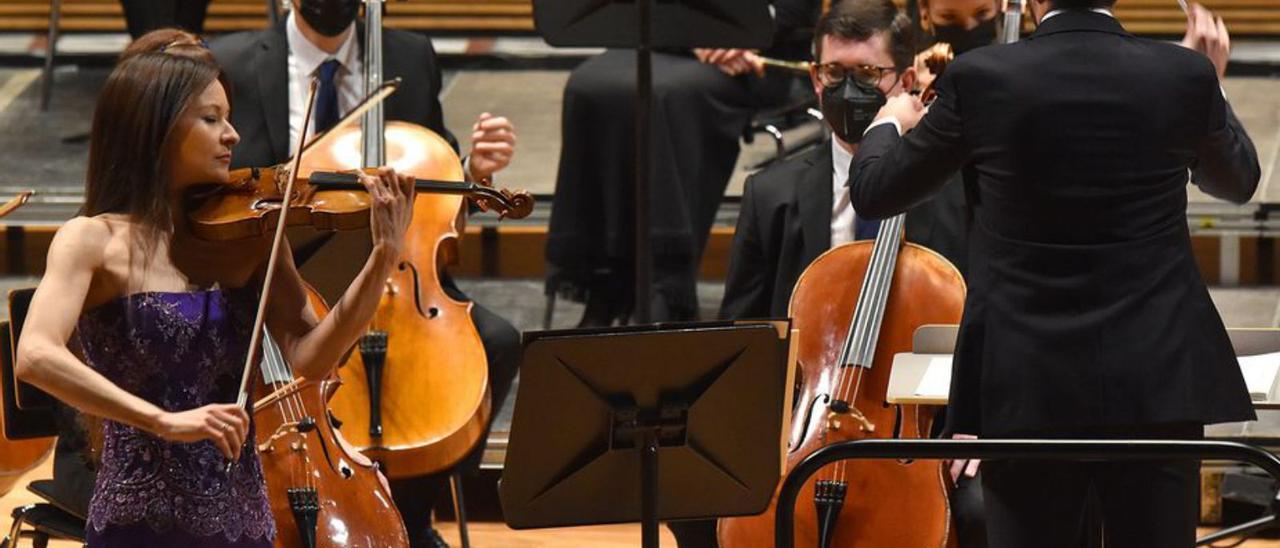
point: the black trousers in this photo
(143, 16)
(415, 497)
(1141, 503)
(699, 114)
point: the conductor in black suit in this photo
(270, 71)
(1086, 315)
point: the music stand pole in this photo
(644, 105)
(649, 490)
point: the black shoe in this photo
(428, 538)
(434, 540)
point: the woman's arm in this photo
(314, 346)
(45, 361)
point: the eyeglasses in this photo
(832, 74)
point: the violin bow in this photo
(259, 320)
(17, 202)
(371, 100)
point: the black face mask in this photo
(962, 40)
(329, 17)
(849, 108)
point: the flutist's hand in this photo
(733, 62)
(1207, 34)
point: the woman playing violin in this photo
(163, 320)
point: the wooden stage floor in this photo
(483, 535)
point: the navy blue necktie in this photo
(327, 97)
(865, 229)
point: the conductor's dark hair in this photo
(1083, 4)
(862, 19)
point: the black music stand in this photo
(642, 25)
(597, 409)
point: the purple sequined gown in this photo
(178, 351)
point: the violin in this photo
(930, 64)
(855, 307)
(249, 206)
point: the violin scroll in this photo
(508, 204)
(930, 64)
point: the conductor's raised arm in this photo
(891, 173)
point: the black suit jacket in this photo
(1085, 307)
(785, 223)
(257, 64)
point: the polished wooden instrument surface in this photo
(856, 307)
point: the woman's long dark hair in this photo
(132, 128)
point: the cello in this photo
(310, 471)
(857, 306)
(409, 404)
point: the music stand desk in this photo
(938, 341)
(646, 423)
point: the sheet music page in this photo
(936, 381)
(1260, 374)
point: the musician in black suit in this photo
(703, 100)
(270, 71)
(143, 16)
(795, 211)
(1086, 315)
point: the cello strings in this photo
(294, 409)
(861, 330)
(857, 333)
(887, 260)
(876, 291)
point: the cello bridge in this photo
(283, 430)
(833, 418)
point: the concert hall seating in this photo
(1152, 17)
(498, 16)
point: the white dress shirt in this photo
(304, 64)
(842, 217)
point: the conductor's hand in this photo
(493, 143)
(392, 197)
(965, 467)
(1207, 34)
(733, 62)
(905, 108)
(224, 424)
